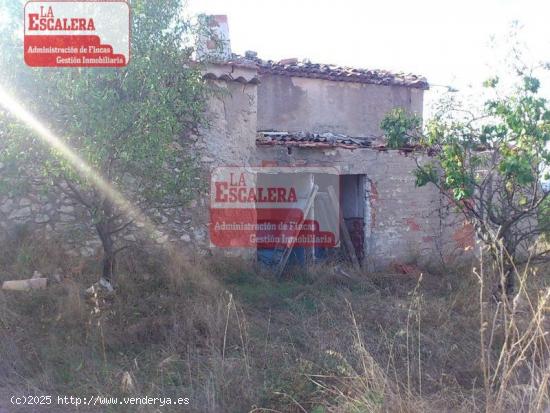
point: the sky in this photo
(449, 42)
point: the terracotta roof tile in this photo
(293, 67)
(326, 140)
(343, 74)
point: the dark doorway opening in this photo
(353, 202)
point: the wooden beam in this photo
(288, 249)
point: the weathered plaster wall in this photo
(316, 105)
(404, 223)
(230, 139)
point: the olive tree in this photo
(492, 165)
(128, 124)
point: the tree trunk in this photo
(502, 255)
(508, 265)
(510, 281)
(108, 260)
(104, 230)
(108, 251)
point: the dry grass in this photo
(232, 339)
(515, 343)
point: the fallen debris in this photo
(102, 284)
(407, 269)
(25, 285)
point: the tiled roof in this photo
(327, 140)
(293, 67)
(228, 77)
(341, 73)
(316, 140)
(237, 69)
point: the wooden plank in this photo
(323, 207)
(344, 229)
(288, 250)
(326, 206)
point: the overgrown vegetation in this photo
(235, 340)
(492, 165)
(128, 126)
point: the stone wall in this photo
(54, 215)
(403, 223)
(50, 214)
(228, 140)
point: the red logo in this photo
(77, 33)
(273, 207)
